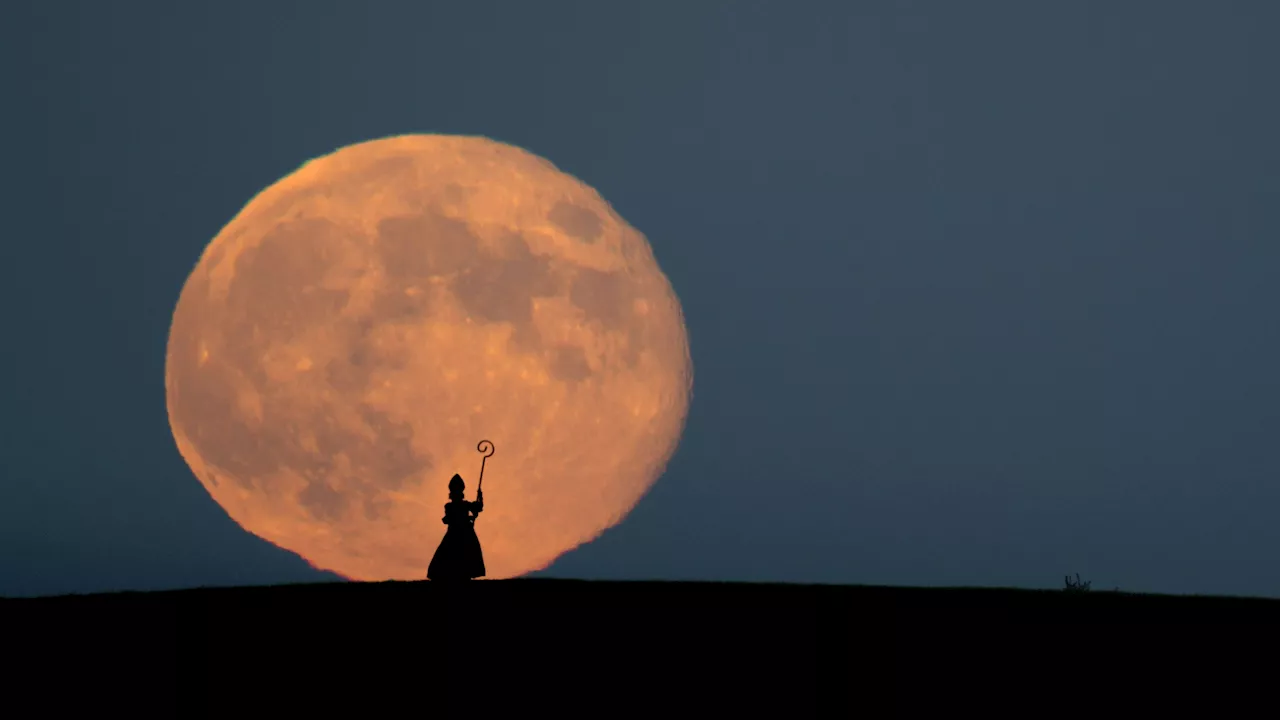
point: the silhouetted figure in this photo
(459, 556)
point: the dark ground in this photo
(581, 648)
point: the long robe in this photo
(459, 556)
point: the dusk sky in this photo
(976, 293)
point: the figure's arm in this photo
(478, 505)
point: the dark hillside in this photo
(613, 648)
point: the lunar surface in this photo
(350, 336)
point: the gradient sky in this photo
(977, 293)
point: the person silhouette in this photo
(459, 556)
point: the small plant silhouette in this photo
(1077, 586)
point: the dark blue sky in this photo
(977, 293)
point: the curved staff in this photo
(487, 454)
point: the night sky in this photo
(977, 293)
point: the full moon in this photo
(348, 338)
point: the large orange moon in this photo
(348, 338)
